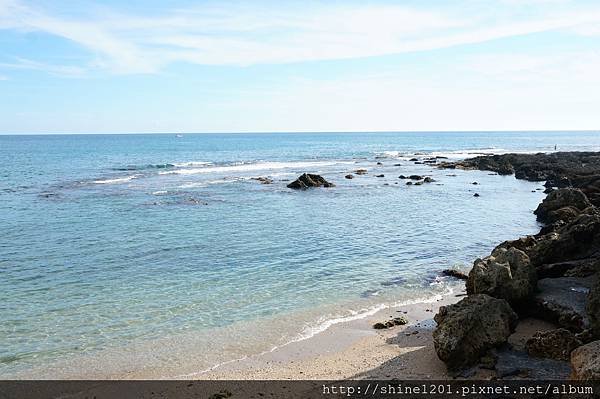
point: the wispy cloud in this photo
(238, 34)
(62, 70)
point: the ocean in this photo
(124, 252)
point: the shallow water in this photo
(126, 250)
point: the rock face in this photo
(585, 361)
(506, 274)
(455, 273)
(308, 180)
(554, 344)
(563, 301)
(563, 204)
(467, 329)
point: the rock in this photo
(468, 329)
(518, 363)
(585, 361)
(409, 183)
(380, 176)
(413, 159)
(505, 274)
(397, 164)
(554, 344)
(428, 180)
(379, 163)
(361, 171)
(349, 176)
(593, 308)
(379, 326)
(263, 180)
(476, 195)
(562, 301)
(474, 183)
(309, 180)
(563, 204)
(396, 321)
(402, 177)
(415, 177)
(455, 273)
(419, 183)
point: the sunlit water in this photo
(126, 252)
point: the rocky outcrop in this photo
(585, 361)
(506, 274)
(467, 329)
(562, 205)
(593, 308)
(308, 180)
(554, 344)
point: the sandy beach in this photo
(351, 350)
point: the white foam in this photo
(116, 180)
(250, 167)
(160, 192)
(193, 163)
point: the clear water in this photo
(124, 252)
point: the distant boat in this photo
(179, 136)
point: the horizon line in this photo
(302, 132)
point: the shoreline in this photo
(352, 349)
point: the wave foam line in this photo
(252, 167)
(116, 180)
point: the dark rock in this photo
(476, 195)
(415, 177)
(419, 183)
(413, 159)
(402, 177)
(455, 273)
(513, 363)
(474, 183)
(409, 183)
(379, 326)
(361, 171)
(585, 361)
(380, 176)
(593, 308)
(505, 274)
(263, 180)
(562, 301)
(349, 176)
(397, 164)
(418, 163)
(309, 180)
(379, 163)
(428, 180)
(563, 204)
(554, 344)
(468, 329)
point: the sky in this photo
(263, 66)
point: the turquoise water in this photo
(158, 242)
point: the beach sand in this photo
(351, 350)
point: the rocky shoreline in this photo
(551, 276)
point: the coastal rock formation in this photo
(506, 274)
(308, 180)
(467, 329)
(455, 273)
(593, 308)
(554, 344)
(585, 361)
(563, 204)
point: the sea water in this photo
(120, 253)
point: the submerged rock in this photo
(415, 177)
(263, 180)
(467, 329)
(506, 274)
(585, 361)
(554, 344)
(308, 180)
(429, 180)
(361, 171)
(350, 176)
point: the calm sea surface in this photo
(123, 252)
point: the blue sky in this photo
(227, 66)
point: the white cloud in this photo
(246, 35)
(63, 70)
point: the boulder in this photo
(506, 274)
(349, 176)
(585, 361)
(563, 204)
(429, 180)
(467, 329)
(554, 344)
(308, 180)
(415, 177)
